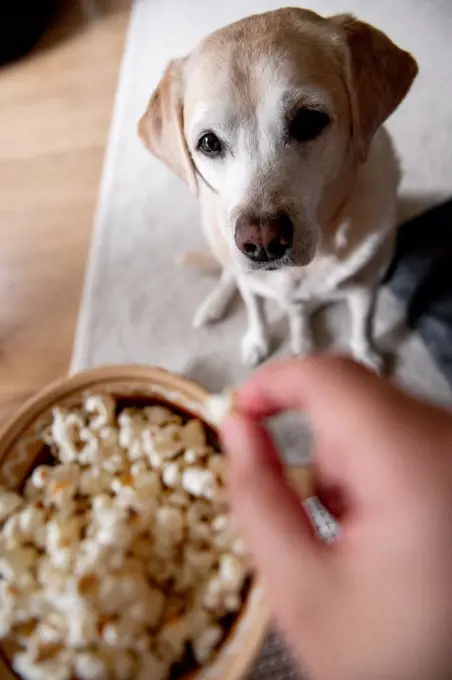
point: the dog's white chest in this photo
(288, 286)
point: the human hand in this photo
(377, 603)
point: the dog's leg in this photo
(214, 307)
(301, 340)
(362, 302)
(255, 342)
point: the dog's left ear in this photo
(381, 75)
(162, 126)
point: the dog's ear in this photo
(381, 75)
(162, 126)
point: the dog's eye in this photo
(307, 124)
(210, 144)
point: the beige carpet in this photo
(138, 306)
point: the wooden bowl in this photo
(21, 447)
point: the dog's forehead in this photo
(239, 63)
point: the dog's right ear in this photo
(162, 126)
(381, 75)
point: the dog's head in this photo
(274, 114)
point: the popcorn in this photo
(221, 591)
(131, 426)
(111, 524)
(219, 406)
(32, 525)
(94, 480)
(16, 563)
(121, 663)
(171, 640)
(232, 572)
(162, 444)
(160, 416)
(82, 629)
(122, 554)
(200, 482)
(52, 629)
(169, 526)
(9, 502)
(178, 499)
(138, 468)
(62, 533)
(58, 666)
(101, 409)
(152, 667)
(89, 666)
(65, 433)
(172, 474)
(197, 454)
(8, 598)
(204, 645)
(193, 434)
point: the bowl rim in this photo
(86, 380)
(65, 387)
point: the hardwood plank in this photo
(55, 109)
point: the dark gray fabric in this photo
(421, 277)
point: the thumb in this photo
(271, 518)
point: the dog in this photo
(275, 123)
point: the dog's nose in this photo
(264, 239)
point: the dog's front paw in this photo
(255, 348)
(370, 357)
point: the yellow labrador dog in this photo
(275, 125)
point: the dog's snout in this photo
(264, 239)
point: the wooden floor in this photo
(55, 109)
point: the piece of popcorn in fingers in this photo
(218, 407)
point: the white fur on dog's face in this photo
(244, 86)
(249, 105)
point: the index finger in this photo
(314, 385)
